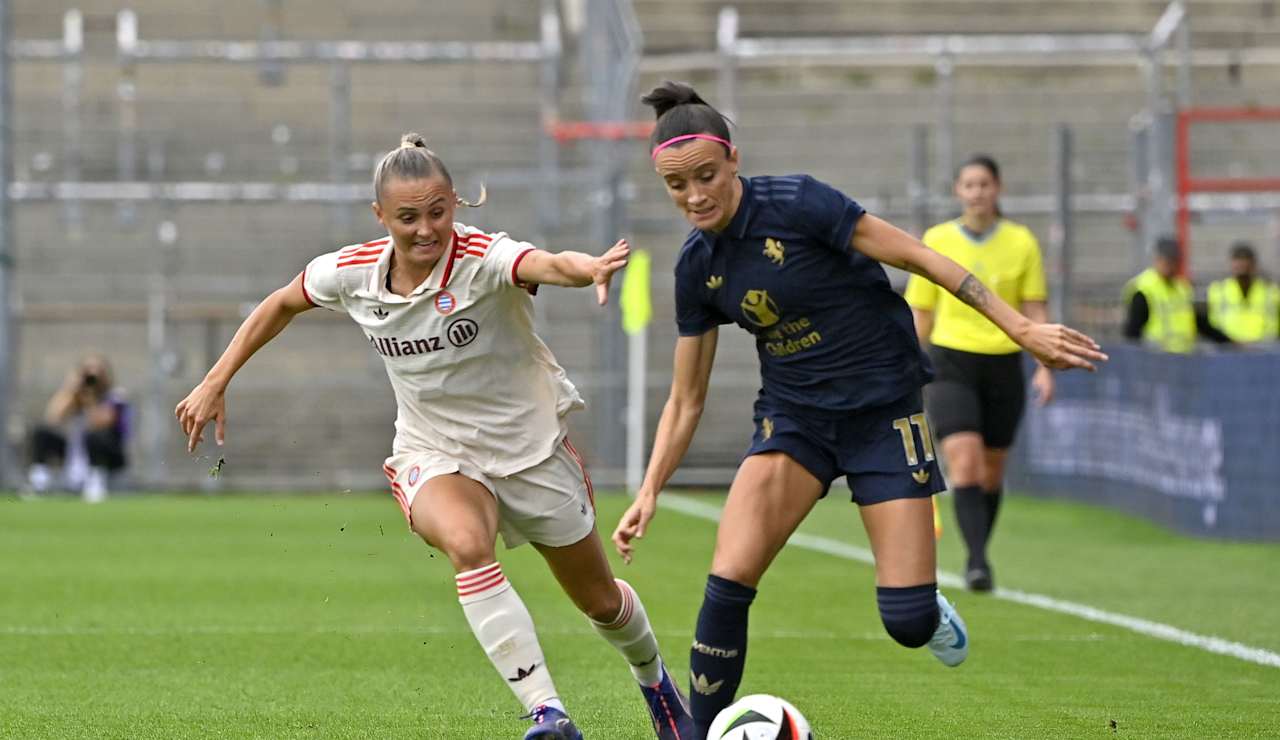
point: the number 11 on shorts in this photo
(903, 426)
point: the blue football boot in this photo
(669, 709)
(550, 723)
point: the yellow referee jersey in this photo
(1007, 261)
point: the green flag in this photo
(637, 308)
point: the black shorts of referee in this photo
(975, 392)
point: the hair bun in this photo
(670, 94)
(410, 140)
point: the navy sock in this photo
(972, 515)
(910, 613)
(719, 650)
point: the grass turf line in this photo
(322, 617)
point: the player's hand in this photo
(203, 405)
(633, 524)
(603, 267)
(1062, 348)
(1044, 384)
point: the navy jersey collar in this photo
(737, 227)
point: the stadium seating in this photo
(225, 123)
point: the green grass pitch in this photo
(322, 617)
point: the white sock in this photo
(631, 634)
(95, 486)
(502, 625)
(39, 478)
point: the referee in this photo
(977, 397)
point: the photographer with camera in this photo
(84, 430)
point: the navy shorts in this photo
(886, 452)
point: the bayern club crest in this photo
(445, 302)
(414, 472)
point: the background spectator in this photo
(1246, 305)
(1162, 310)
(84, 431)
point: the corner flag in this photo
(636, 305)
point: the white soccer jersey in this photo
(471, 378)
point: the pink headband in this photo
(686, 137)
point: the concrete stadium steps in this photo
(317, 401)
(833, 125)
(685, 24)
(466, 112)
(668, 23)
(386, 20)
(224, 251)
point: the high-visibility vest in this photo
(1251, 318)
(1171, 323)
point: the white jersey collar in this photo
(436, 280)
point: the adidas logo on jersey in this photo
(381, 313)
(715, 281)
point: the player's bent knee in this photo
(466, 550)
(746, 574)
(910, 615)
(603, 606)
(912, 633)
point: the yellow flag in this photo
(637, 307)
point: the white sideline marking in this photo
(1158, 630)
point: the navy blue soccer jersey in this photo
(830, 331)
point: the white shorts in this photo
(551, 503)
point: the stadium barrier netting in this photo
(1188, 441)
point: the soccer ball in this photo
(760, 717)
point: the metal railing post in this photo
(727, 73)
(918, 185)
(945, 68)
(339, 139)
(8, 340)
(1062, 236)
(551, 50)
(127, 101)
(72, 86)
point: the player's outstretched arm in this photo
(574, 269)
(207, 401)
(1057, 346)
(690, 379)
(1043, 382)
